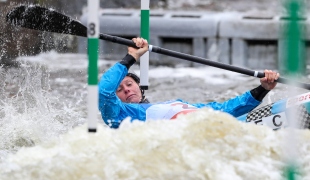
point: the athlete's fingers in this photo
(134, 40)
(277, 76)
(271, 76)
(267, 75)
(141, 42)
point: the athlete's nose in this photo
(126, 89)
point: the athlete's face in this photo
(129, 91)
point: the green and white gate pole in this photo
(93, 46)
(145, 33)
(294, 66)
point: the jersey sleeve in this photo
(113, 110)
(236, 106)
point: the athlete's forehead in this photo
(127, 79)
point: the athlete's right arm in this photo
(113, 110)
(109, 103)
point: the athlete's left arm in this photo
(236, 106)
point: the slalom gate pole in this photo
(294, 66)
(145, 33)
(93, 46)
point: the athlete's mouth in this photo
(129, 97)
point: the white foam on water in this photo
(44, 135)
(208, 74)
(29, 113)
(56, 61)
(202, 145)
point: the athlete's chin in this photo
(133, 99)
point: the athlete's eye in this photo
(129, 83)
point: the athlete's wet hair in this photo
(134, 77)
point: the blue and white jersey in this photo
(168, 110)
(114, 111)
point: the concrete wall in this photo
(241, 39)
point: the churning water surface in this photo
(44, 128)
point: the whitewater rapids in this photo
(44, 129)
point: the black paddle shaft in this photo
(43, 19)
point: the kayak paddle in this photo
(43, 19)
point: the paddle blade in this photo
(43, 19)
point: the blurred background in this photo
(238, 32)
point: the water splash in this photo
(42, 120)
(201, 145)
(29, 113)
